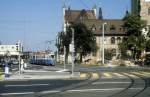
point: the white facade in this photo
(13, 50)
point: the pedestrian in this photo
(22, 66)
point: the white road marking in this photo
(96, 83)
(90, 90)
(110, 89)
(119, 75)
(46, 92)
(27, 85)
(83, 90)
(21, 93)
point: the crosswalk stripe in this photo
(95, 75)
(1, 76)
(82, 75)
(146, 73)
(107, 75)
(118, 74)
(131, 75)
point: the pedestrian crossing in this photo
(1, 76)
(97, 75)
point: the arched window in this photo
(118, 39)
(113, 40)
(93, 28)
(149, 11)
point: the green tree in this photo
(135, 39)
(109, 54)
(85, 42)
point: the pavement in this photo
(35, 72)
(35, 75)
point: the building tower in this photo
(100, 17)
(135, 7)
(141, 8)
(94, 9)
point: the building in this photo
(13, 51)
(142, 8)
(114, 33)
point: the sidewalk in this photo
(39, 75)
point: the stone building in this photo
(142, 8)
(113, 33)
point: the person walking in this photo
(22, 65)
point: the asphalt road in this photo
(102, 82)
(136, 84)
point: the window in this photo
(113, 40)
(93, 28)
(118, 39)
(17, 48)
(112, 27)
(100, 27)
(149, 11)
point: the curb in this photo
(36, 77)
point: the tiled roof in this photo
(73, 15)
(89, 19)
(96, 25)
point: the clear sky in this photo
(34, 22)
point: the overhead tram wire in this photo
(82, 2)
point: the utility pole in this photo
(73, 50)
(103, 44)
(64, 29)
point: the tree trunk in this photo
(81, 57)
(67, 53)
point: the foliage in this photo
(108, 54)
(135, 40)
(85, 41)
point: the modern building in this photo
(114, 33)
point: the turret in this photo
(94, 9)
(100, 15)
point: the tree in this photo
(85, 42)
(135, 40)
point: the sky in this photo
(34, 22)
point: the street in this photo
(103, 83)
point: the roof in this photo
(113, 27)
(73, 15)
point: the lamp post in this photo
(103, 42)
(72, 50)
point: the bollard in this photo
(6, 70)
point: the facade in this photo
(113, 33)
(12, 50)
(142, 8)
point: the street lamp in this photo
(103, 42)
(72, 50)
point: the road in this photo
(100, 83)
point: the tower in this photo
(94, 9)
(100, 14)
(135, 7)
